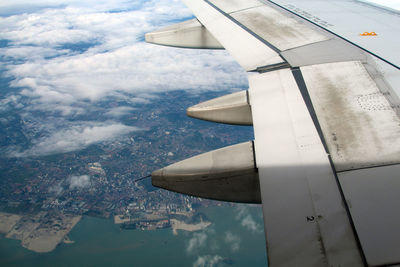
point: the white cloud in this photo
(249, 223)
(246, 219)
(34, 53)
(79, 182)
(207, 261)
(56, 189)
(200, 240)
(232, 240)
(197, 241)
(75, 138)
(136, 69)
(119, 111)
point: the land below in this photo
(40, 232)
(43, 231)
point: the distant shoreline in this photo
(44, 231)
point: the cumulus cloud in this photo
(79, 182)
(197, 241)
(75, 138)
(246, 219)
(207, 261)
(232, 240)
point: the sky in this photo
(65, 58)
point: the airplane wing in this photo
(323, 98)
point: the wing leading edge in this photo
(325, 109)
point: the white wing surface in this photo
(324, 82)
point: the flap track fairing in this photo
(231, 109)
(187, 34)
(227, 174)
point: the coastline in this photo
(99, 242)
(46, 239)
(180, 225)
(40, 232)
(7, 221)
(44, 231)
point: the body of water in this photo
(235, 238)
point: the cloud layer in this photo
(75, 138)
(64, 57)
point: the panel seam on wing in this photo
(245, 28)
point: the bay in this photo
(235, 238)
